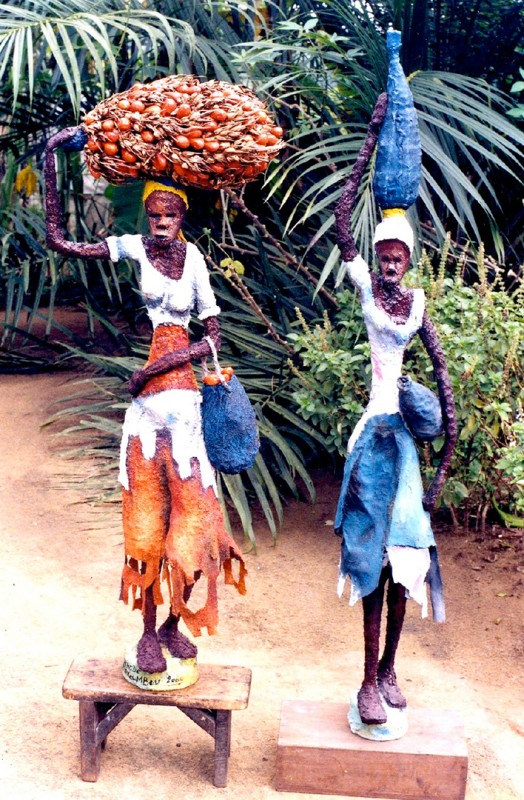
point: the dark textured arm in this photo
(195, 352)
(54, 220)
(346, 203)
(430, 340)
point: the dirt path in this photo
(59, 587)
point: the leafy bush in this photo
(479, 324)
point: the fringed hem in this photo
(137, 577)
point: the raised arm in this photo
(73, 139)
(346, 203)
(432, 345)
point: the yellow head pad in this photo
(157, 186)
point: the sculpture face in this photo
(393, 259)
(165, 213)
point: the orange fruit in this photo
(154, 109)
(93, 145)
(182, 142)
(112, 136)
(148, 136)
(227, 372)
(128, 157)
(107, 125)
(110, 149)
(277, 131)
(183, 111)
(124, 104)
(160, 161)
(219, 115)
(211, 379)
(197, 143)
(211, 145)
(137, 105)
(271, 140)
(168, 106)
(123, 124)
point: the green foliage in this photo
(480, 327)
(334, 376)
(518, 88)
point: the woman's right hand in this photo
(73, 138)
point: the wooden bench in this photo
(105, 698)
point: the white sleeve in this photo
(206, 303)
(127, 246)
(358, 271)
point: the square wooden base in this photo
(317, 753)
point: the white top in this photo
(168, 300)
(388, 340)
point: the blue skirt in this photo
(380, 505)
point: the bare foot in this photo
(178, 645)
(149, 654)
(370, 707)
(388, 688)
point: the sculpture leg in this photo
(176, 642)
(386, 677)
(149, 652)
(370, 706)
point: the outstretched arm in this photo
(346, 203)
(194, 352)
(54, 221)
(430, 340)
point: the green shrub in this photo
(479, 323)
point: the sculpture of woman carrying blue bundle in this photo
(383, 512)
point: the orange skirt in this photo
(173, 528)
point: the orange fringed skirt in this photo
(173, 528)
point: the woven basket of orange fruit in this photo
(209, 135)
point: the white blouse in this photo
(168, 300)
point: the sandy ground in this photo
(60, 579)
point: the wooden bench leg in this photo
(222, 747)
(97, 720)
(89, 748)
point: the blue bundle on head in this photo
(397, 167)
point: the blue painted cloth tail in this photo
(380, 505)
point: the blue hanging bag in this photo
(229, 423)
(420, 409)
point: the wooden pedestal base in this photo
(105, 698)
(317, 753)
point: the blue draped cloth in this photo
(380, 503)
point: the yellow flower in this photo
(26, 181)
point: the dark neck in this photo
(167, 260)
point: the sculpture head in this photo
(393, 260)
(165, 206)
(393, 242)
